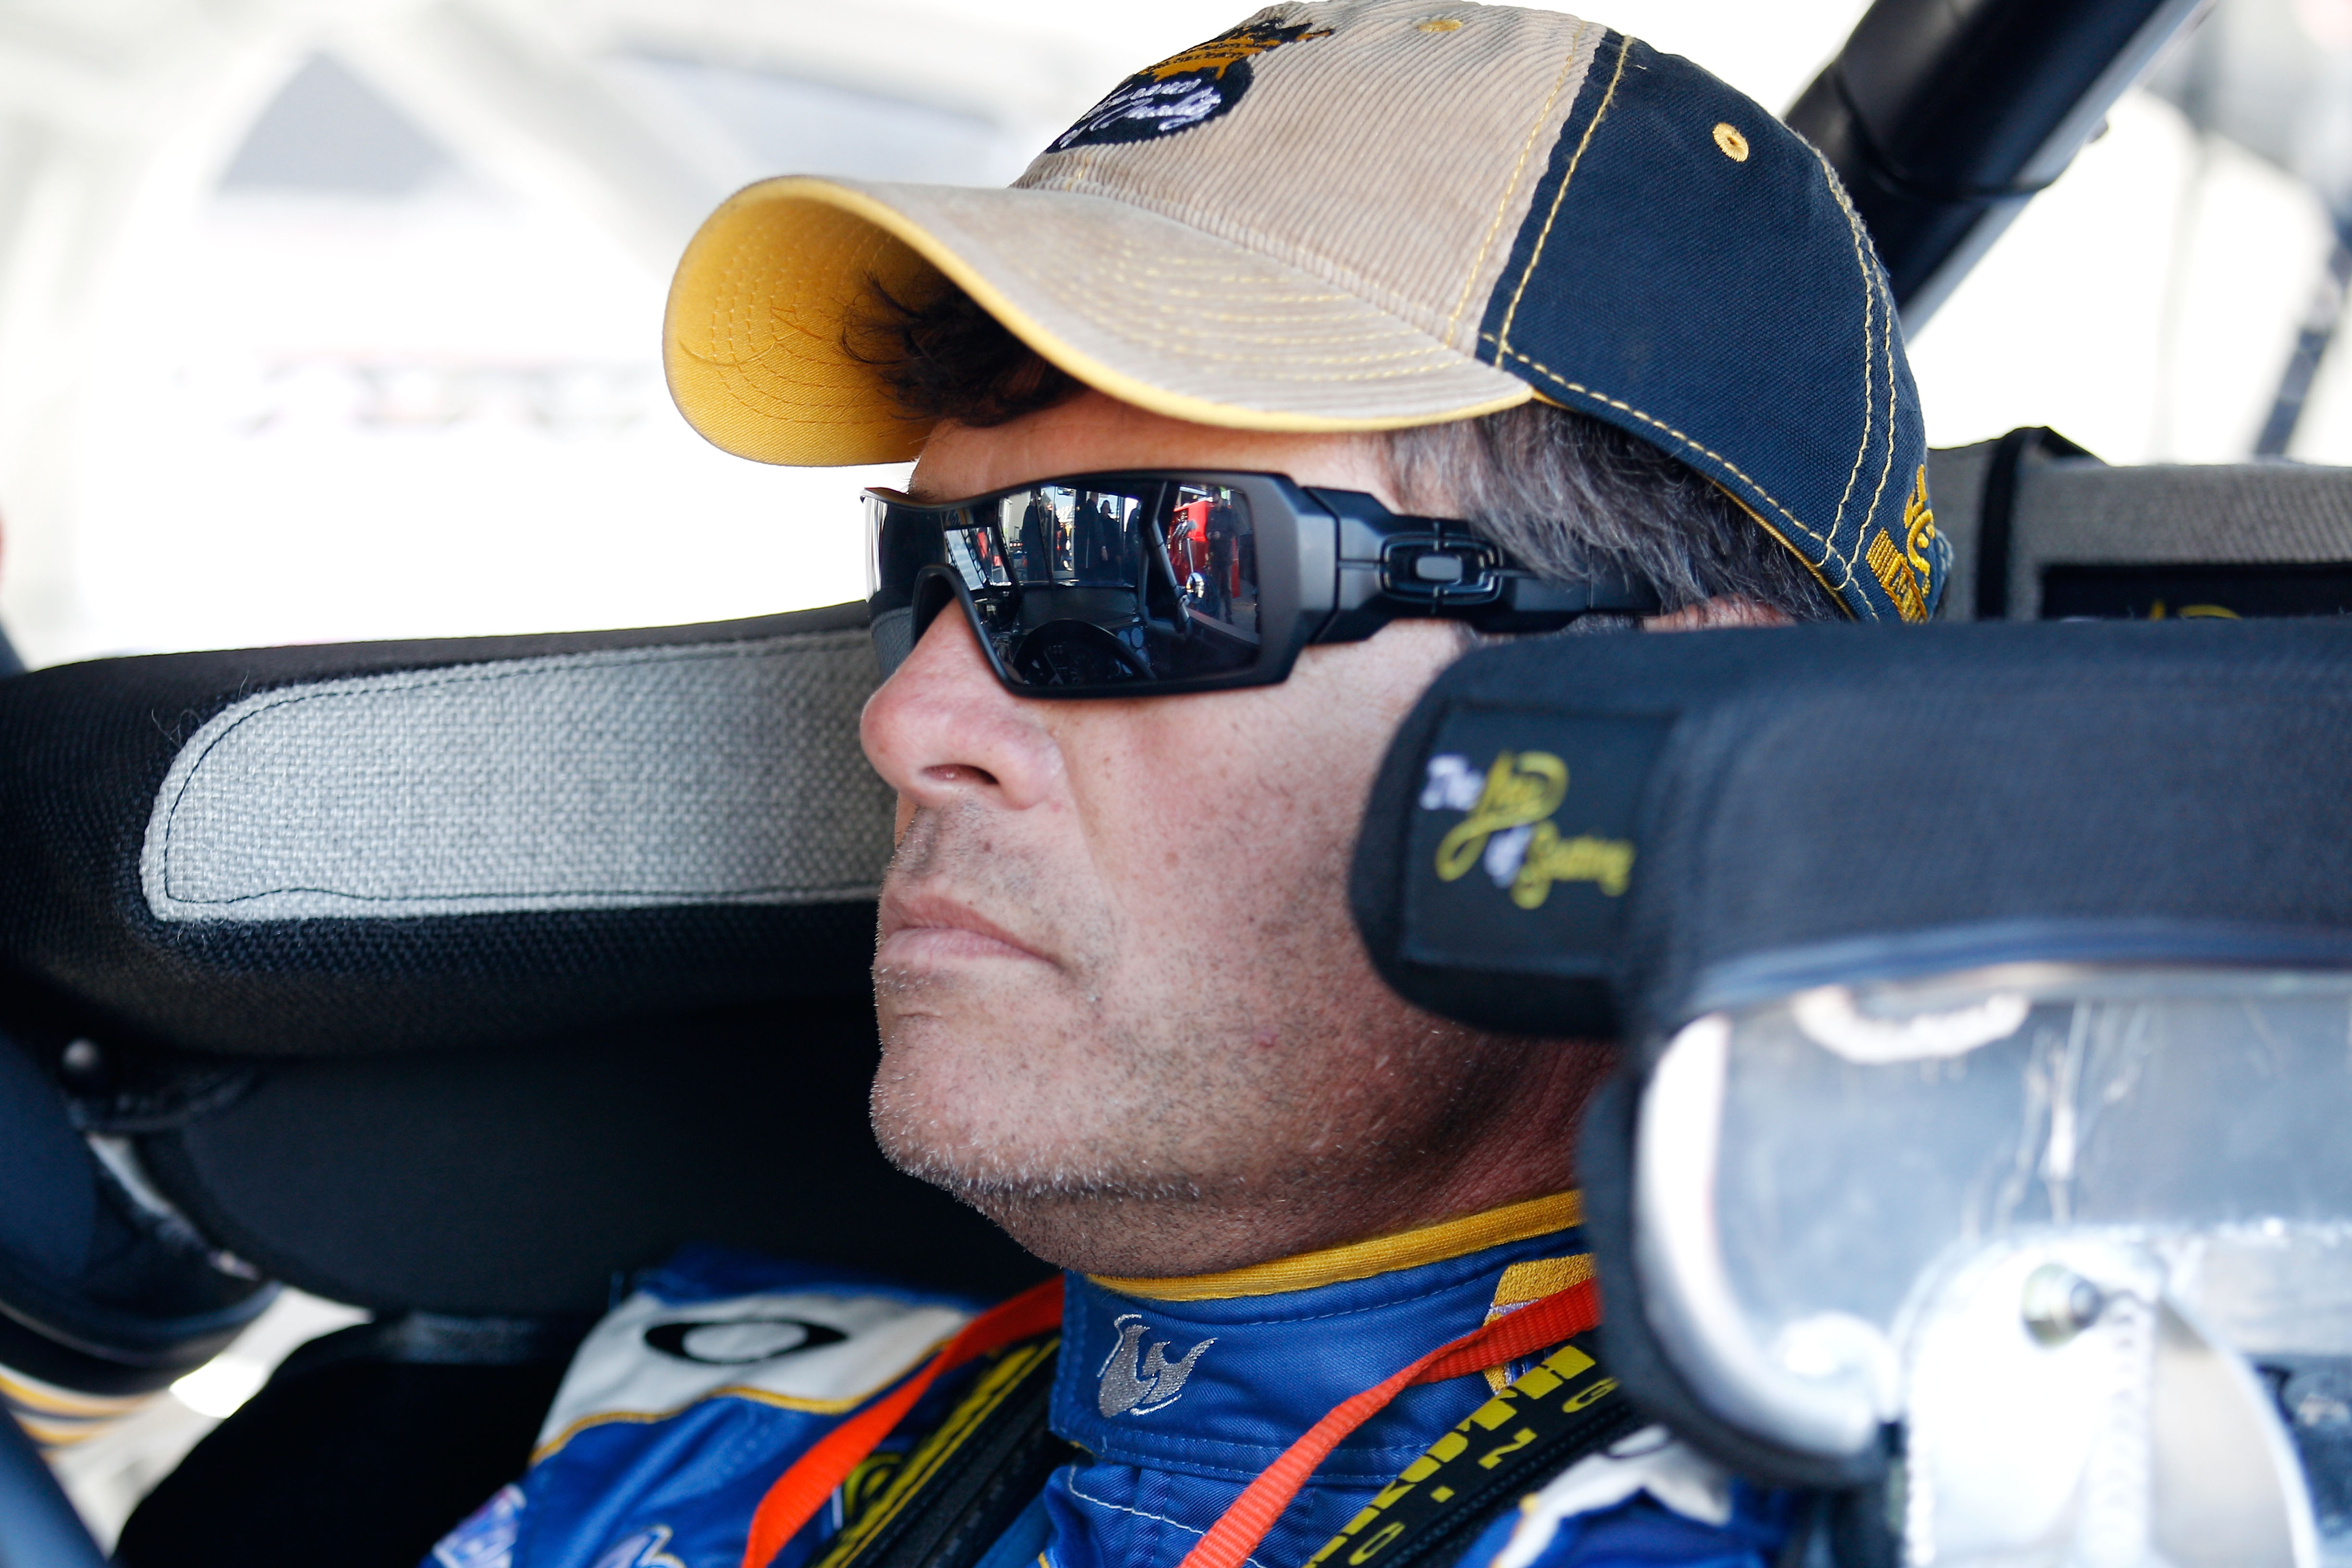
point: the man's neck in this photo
(1525, 1149)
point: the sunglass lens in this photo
(1103, 587)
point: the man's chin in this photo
(922, 1134)
(1068, 1219)
(1102, 1222)
(1086, 1208)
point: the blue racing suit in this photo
(693, 1396)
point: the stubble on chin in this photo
(1115, 1129)
(1049, 1097)
(965, 1097)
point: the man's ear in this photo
(1735, 611)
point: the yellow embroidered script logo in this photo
(1509, 829)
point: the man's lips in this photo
(919, 927)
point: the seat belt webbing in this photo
(797, 1494)
(1534, 1327)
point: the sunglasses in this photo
(1139, 584)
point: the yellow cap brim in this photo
(1148, 310)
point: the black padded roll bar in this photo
(1944, 117)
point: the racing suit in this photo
(720, 1368)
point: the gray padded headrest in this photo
(628, 779)
(316, 850)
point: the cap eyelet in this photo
(1438, 25)
(1734, 145)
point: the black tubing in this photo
(1944, 117)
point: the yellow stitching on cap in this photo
(1736, 499)
(1869, 385)
(1162, 288)
(1875, 305)
(1894, 390)
(1145, 262)
(1357, 285)
(1543, 116)
(1363, 346)
(1422, 347)
(1829, 551)
(1432, 363)
(1352, 329)
(737, 385)
(1503, 339)
(1319, 265)
(1734, 145)
(1873, 287)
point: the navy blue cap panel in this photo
(1691, 271)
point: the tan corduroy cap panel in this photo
(1315, 259)
(1392, 148)
(1149, 310)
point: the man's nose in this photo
(943, 729)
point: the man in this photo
(1223, 533)
(1325, 1299)
(1031, 554)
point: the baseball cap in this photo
(1367, 215)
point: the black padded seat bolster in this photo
(1821, 805)
(354, 1426)
(2080, 511)
(524, 1183)
(320, 850)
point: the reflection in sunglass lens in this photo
(1151, 579)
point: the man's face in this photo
(1123, 1008)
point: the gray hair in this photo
(1565, 494)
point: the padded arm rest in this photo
(316, 850)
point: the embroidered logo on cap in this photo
(1183, 90)
(1905, 571)
(1138, 1382)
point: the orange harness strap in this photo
(1532, 1327)
(801, 1490)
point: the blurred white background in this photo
(327, 320)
